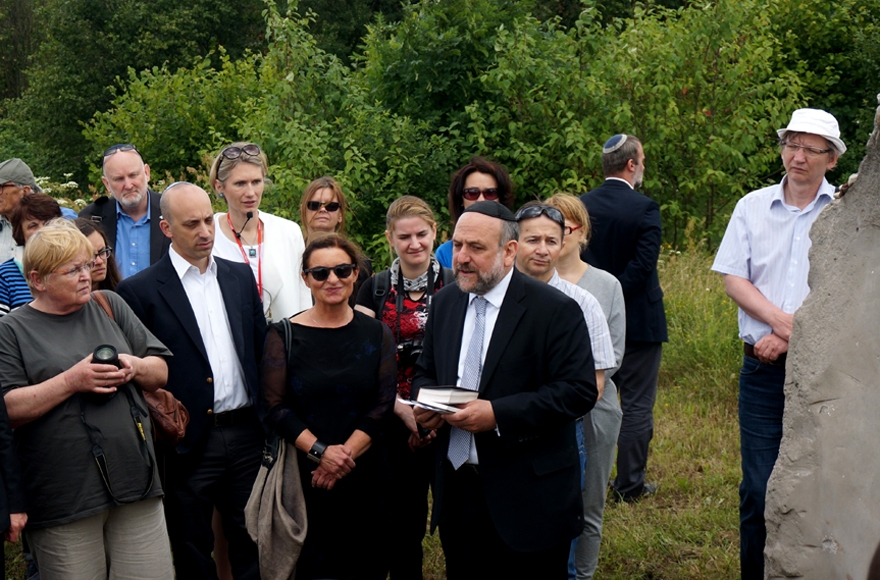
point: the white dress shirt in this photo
(768, 242)
(207, 303)
(494, 298)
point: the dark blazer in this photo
(539, 375)
(11, 489)
(157, 296)
(625, 241)
(103, 211)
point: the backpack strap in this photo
(381, 285)
(447, 275)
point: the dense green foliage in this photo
(537, 86)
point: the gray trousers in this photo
(601, 428)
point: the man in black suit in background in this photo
(507, 483)
(207, 311)
(626, 238)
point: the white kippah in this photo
(614, 143)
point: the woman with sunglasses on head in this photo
(271, 245)
(322, 210)
(400, 297)
(602, 425)
(332, 395)
(31, 214)
(479, 180)
(105, 274)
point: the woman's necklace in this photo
(309, 312)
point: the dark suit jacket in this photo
(539, 375)
(103, 210)
(11, 489)
(625, 241)
(157, 296)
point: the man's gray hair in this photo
(615, 162)
(509, 231)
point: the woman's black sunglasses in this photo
(321, 273)
(330, 206)
(232, 152)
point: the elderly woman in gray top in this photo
(82, 430)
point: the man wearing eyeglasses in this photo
(626, 242)
(764, 260)
(130, 217)
(208, 312)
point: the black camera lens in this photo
(106, 354)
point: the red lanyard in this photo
(259, 252)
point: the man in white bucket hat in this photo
(764, 260)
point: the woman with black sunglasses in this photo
(331, 394)
(271, 245)
(322, 211)
(479, 180)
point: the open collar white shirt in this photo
(767, 242)
(207, 304)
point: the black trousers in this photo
(222, 475)
(637, 384)
(472, 546)
(411, 474)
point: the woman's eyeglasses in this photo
(321, 273)
(330, 206)
(233, 152)
(571, 229)
(473, 193)
(87, 267)
(104, 254)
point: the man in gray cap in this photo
(764, 260)
(16, 181)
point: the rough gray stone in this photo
(823, 499)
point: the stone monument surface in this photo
(823, 499)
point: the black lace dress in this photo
(333, 382)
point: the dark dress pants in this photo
(637, 384)
(471, 544)
(411, 474)
(761, 402)
(222, 474)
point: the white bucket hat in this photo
(817, 122)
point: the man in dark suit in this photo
(626, 235)
(208, 312)
(507, 482)
(130, 217)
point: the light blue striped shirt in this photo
(594, 316)
(767, 242)
(132, 242)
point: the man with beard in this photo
(626, 243)
(130, 218)
(507, 482)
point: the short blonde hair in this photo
(55, 244)
(408, 206)
(220, 171)
(573, 210)
(325, 182)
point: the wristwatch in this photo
(317, 451)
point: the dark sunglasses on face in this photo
(533, 211)
(473, 193)
(321, 273)
(330, 206)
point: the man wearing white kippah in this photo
(764, 260)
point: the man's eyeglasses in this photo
(73, 272)
(533, 211)
(473, 193)
(104, 254)
(571, 229)
(811, 152)
(321, 273)
(330, 206)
